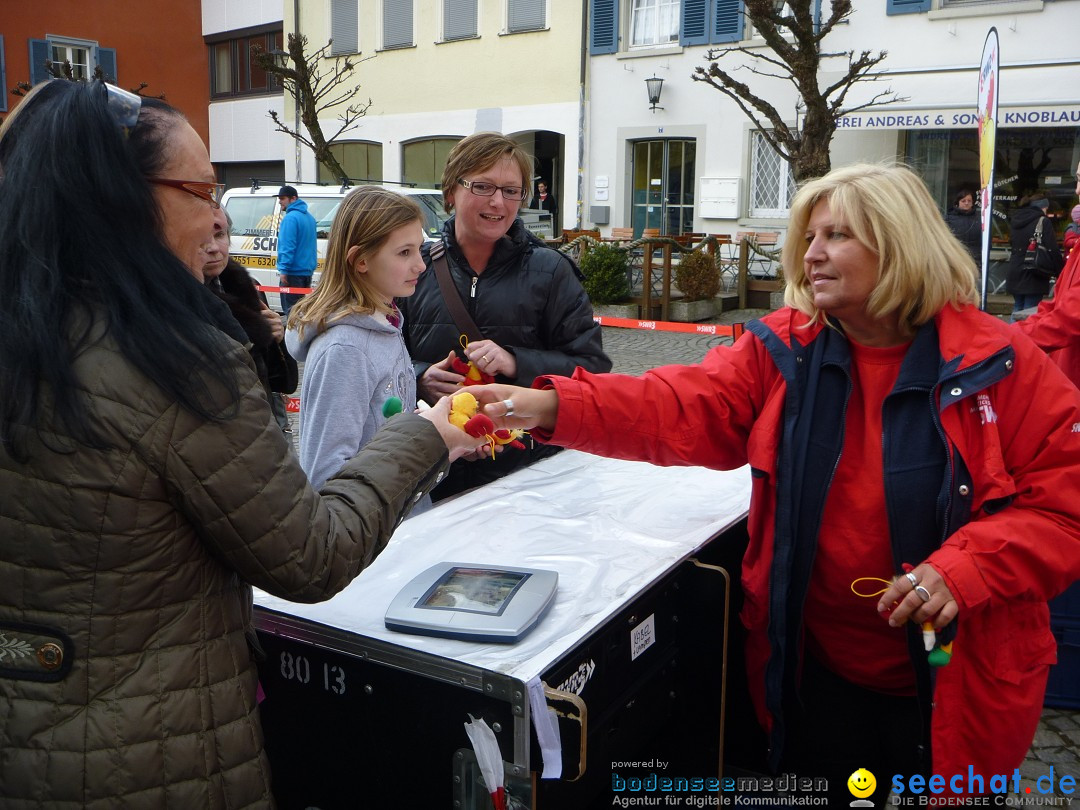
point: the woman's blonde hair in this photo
(366, 218)
(921, 265)
(478, 153)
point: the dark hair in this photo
(964, 192)
(82, 243)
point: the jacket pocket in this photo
(1028, 645)
(34, 652)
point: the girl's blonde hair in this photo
(366, 218)
(921, 265)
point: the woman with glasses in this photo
(525, 300)
(144, 487)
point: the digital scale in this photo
(473, 602)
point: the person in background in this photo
(525, 298)
(1072, 232)
(297, 246)
(144, 487)
(1026, 286)
(1055, 327)
(262, 327)
(905, 482)
(348, 332)
(546, 201)
(965, 223)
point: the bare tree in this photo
(66, 71)
(317, 82)
(794, 38)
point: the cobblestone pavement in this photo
(634, 351)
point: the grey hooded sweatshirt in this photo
(350, 370)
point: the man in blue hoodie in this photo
(297, 255)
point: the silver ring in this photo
(914, 580)
(923, 593)
(509, 405)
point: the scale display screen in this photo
(473, 602)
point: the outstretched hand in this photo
(513, 407)
(457, 441)
(439, 380)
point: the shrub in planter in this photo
(604, 268)
(697, 276)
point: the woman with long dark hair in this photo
(144, 486)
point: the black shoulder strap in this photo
(458, 312)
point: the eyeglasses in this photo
(123, 106)
(516, 193)
(211, 192)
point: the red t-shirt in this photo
(845, 631)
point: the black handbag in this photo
(1040, 260)
(281, 370)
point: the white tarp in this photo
(610, 528)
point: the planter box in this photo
(694, 311)
(628, 310)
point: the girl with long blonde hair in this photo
(347, 333)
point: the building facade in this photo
(696, 163)
(244, 142)
(125, 38)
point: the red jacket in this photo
(1055, 327)
(1019, 546)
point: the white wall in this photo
(229, 15)
(242, 131)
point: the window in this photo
(397, 23)
(84, 56)
(361, 161)
(233, 70)
(662, 195)
(525, 15)
(344, 30)
(424, 161)
(77, 55)
(654, 22)
(459, 19)
(771, 183)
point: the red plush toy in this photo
(473, 375)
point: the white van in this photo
(255, 218)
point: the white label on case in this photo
(642, 637)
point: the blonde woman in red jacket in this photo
(894, 432)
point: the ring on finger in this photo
(509, 405)
(914, 580)
(923, 593)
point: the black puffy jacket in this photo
(967, 227)
(1022, 224)
(529, 300)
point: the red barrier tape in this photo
(733, 330)
(289, 290)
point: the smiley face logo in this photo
(861, 783)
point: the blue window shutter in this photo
(893, 7)
(605, 26)
(727, 21)
(106, 57)
(694, 22)
(3, 77)
(39, 55)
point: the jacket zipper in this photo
(472, 287)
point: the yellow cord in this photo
(463, 341)
(887, 582)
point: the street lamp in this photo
(654, 86)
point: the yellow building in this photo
(438, 70)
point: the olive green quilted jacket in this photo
(125, 676)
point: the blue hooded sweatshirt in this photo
(297, 255)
